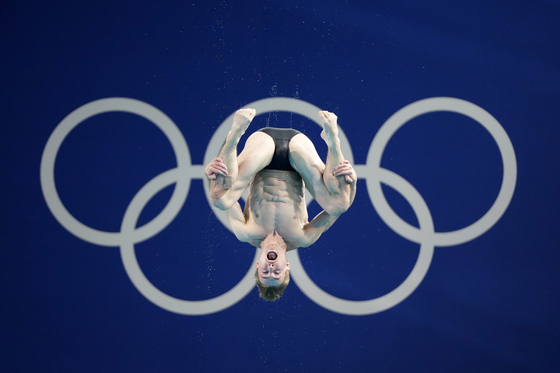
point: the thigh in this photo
(305, 160)
(256, 155)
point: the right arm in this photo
(238, 224)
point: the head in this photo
(272, 273)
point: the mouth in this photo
(272, 256)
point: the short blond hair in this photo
(271, 293)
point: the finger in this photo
(220, 171)
(342, 174)
(337, 172)
(348, 179)
(216, 169)
(342, 169)
(222, 167)
(218, 164)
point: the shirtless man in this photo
(277, 164)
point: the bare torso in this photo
(276, 202)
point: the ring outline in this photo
(71, 121)
(129, 235)
(455, 105)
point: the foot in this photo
(330, 127)
(241, 121)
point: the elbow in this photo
(221, 203)
(338, 209)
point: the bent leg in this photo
(332, 193)
(305, 160)
(229, 182)
(256, 155)
(228, 153)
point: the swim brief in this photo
(281, 136)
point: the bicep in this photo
(238, 222)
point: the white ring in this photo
(429, 105)
(144, 286)
(264, 106)
(154, 115)
(367, 307)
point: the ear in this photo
(288, 265)
(257, 266)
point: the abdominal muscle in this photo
(276, 202)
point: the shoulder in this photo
(248, 232)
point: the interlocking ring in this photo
(182, 175)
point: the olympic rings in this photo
(429, 105)
(185, 172)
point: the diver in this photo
(277, 164)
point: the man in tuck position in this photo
(277, 164)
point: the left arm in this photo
(316, 227)
(346, 178)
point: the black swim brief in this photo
(281, 137)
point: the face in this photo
(272, 265)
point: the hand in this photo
(216, 166)
(346, 169)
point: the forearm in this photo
(316, 227)
(221, 194)
(339, 203)
(219, 186)
(340, 180)
(323, 220)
